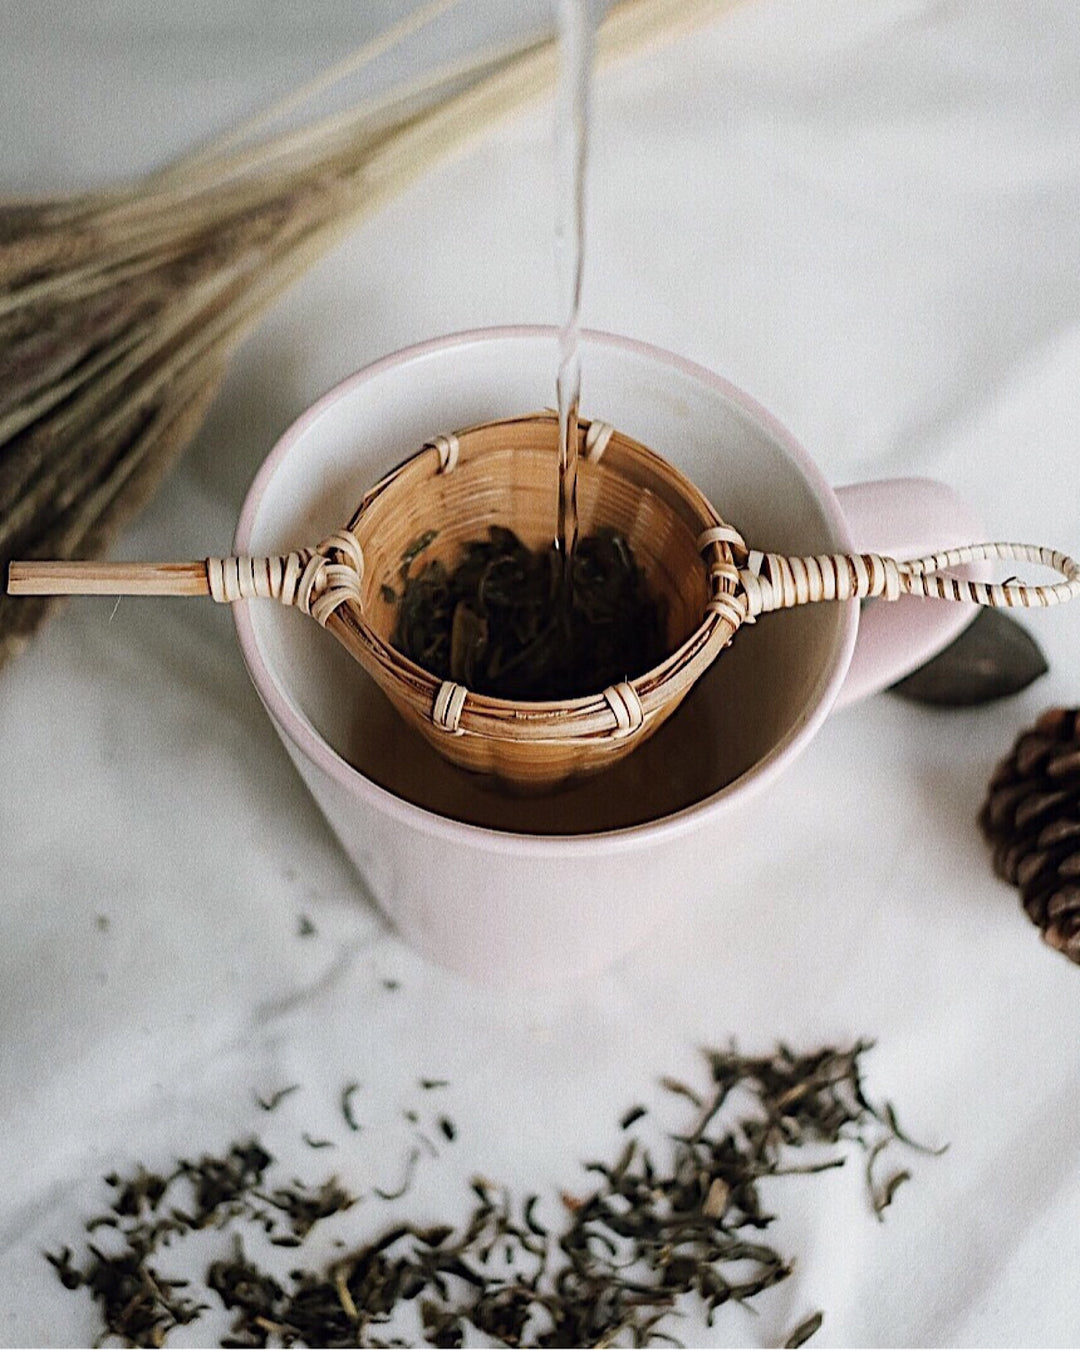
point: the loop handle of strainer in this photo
(770, 581)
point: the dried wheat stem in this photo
(354, 62)
(341, 134)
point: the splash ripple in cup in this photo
(509, 890)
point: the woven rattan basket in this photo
(503, 473)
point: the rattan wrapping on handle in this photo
(772, 581)
(317, 581)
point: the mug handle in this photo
(904, 517)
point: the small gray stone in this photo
(994, 657)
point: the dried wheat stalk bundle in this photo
(119, 309)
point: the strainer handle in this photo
(774, 581)
(315, 580)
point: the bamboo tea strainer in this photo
(708, 580)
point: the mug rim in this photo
(291, 722)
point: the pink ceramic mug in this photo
(505, 889)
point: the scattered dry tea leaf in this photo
(656, 1229)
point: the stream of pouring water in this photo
(576, 34)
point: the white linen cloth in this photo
(866, 214)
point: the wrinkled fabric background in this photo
(866, 215)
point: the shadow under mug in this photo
(511, 890)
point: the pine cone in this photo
(1031, 817)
